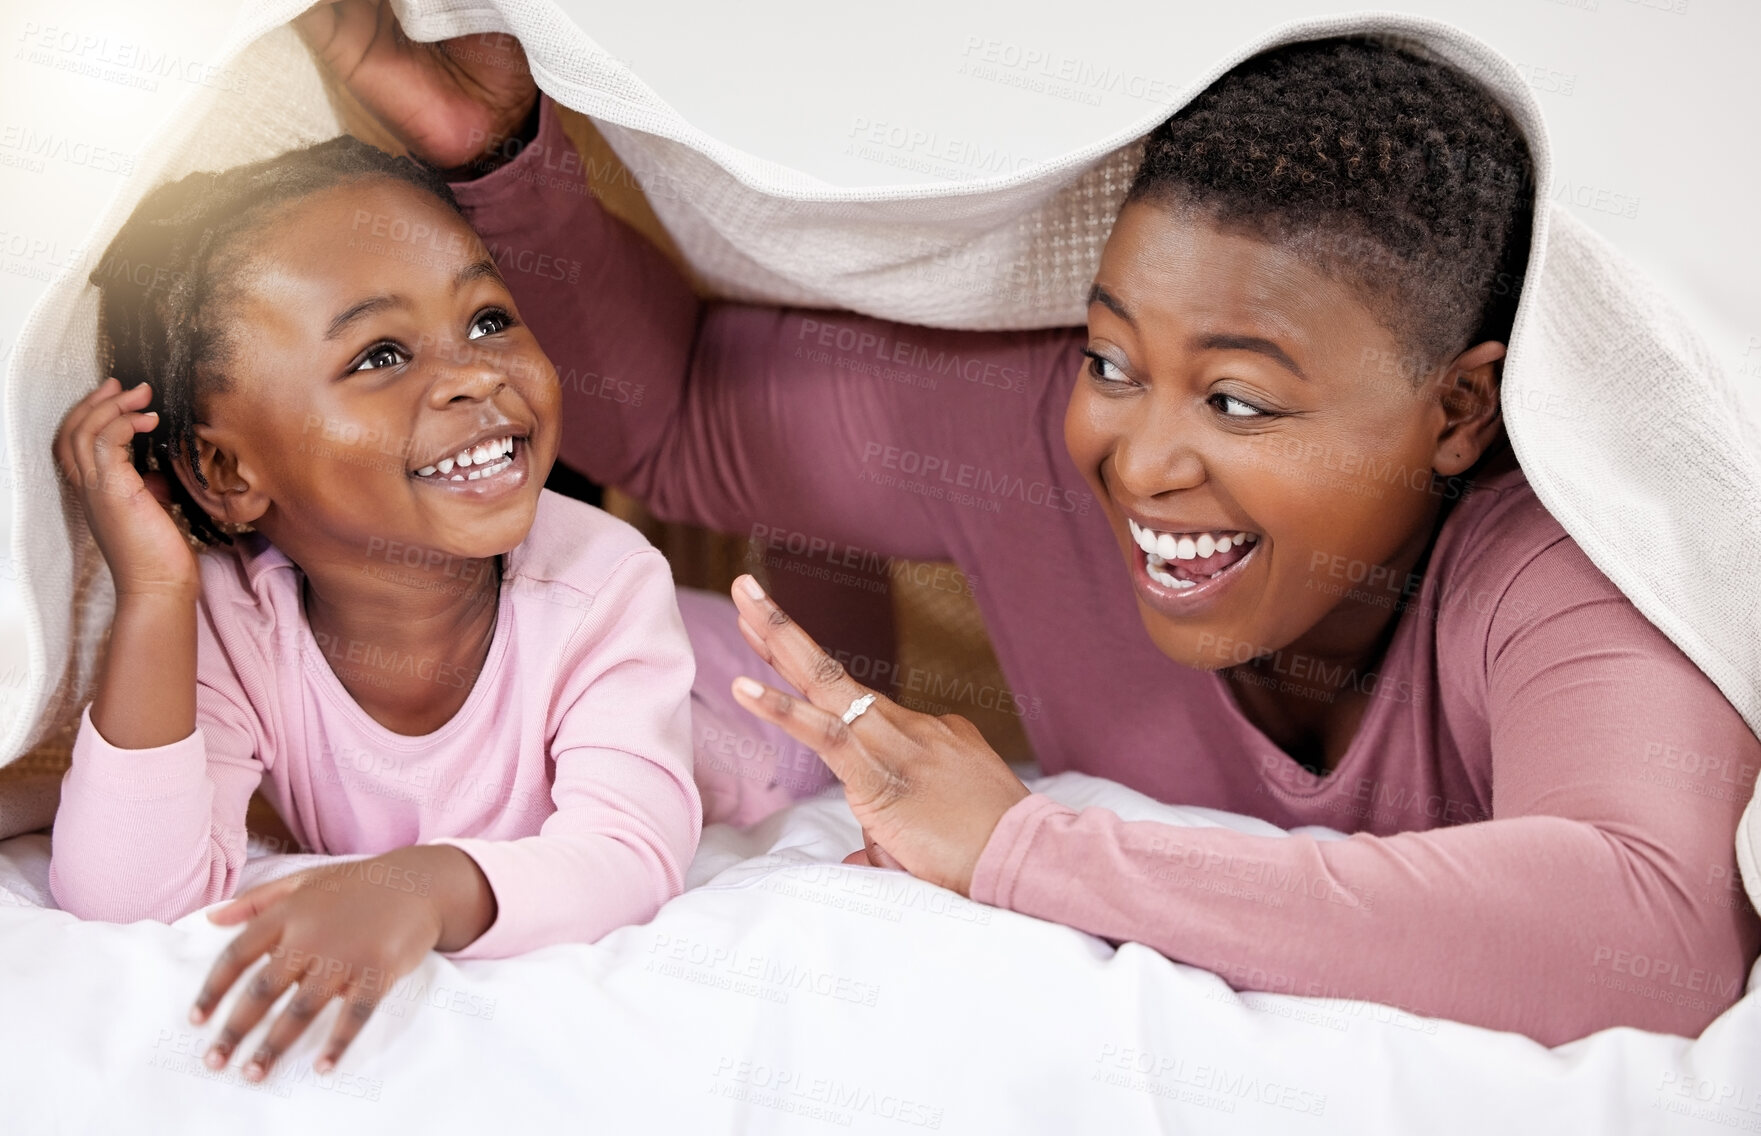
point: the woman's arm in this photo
(627, 815)
(795, 424)
(1597, 896)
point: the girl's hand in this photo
(125, 510)
(448, 102)
(927, 790)
(349, 929)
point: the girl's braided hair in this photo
(1395, 172)
(164, 283)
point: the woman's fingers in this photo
(784, 645)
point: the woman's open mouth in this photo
(484, 470)
(1177, 569)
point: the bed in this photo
(787, 992)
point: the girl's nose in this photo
(466, 373)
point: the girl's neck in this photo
(407, 648)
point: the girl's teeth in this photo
(1165, 547)
(1186, 549)
(1206, 545)
(483, 455)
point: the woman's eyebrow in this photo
(1098, 294)
(476, 270)
(1249, 343)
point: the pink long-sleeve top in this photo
(566, 775)
(1542, 795)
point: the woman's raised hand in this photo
(449, 102)
(927, 790)
(125, 510)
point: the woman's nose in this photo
(1156, 458)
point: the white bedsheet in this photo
(786, 993)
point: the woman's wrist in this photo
(501, 146)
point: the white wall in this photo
(1654, 107)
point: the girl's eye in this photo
(381, 355)
(1104, 368)
(1233, 407)
(489, 322)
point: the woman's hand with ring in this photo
(927, 789)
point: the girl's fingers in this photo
(358, 1004)
(311, 997)
(252, 903)
(260, 993)
(246, 948)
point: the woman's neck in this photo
(1309, 696)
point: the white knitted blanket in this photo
(1625, 424)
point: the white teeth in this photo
(1165, 546)
(1169, 546)
(1206, 544)
(1223, 544)
(480, 455)
(1186, 549)
(1159, 573)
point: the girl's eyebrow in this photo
(480, 269)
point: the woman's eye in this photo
(1233, 407)
(381, 355)
(1104, 368)
(489, 322)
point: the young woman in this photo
(1284, 416)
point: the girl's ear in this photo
(1467, 395)
(232, 493)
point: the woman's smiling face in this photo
(370, 342)
(1239, 403)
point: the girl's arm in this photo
(151, 822)
(157, 832)
(1604, 892)
(814, 425)
(628, 814)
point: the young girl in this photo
(432, 661)
(1252, 539)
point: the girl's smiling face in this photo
(1257, 441)
(370, 338)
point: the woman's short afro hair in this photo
(1393, 171)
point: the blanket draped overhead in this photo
(1624, 423)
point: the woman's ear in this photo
(232, 494)
(1467, 396)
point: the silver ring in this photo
(857, 707)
